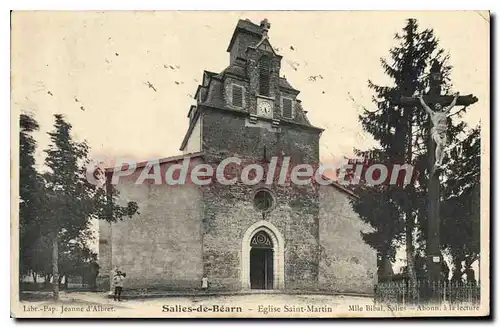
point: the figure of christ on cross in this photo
(438, 130)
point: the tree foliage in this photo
(29, 194)
(58, 206)
(398, 213)
(460, 209)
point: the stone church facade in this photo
(242, 237)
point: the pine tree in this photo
(30, 191)
(460, 209)
(398, 212)
(72, 201)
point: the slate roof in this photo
(236, 70)
(246, 25)
(284, 84)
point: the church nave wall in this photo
(347, 263)
(160, 247)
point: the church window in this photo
(237, 100)
(287, 108)
(263, 200)
(261, 240)
(264, 76)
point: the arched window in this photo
(261, 240)
(264, 75)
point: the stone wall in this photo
(104, 256)
(231, 134)
(162, 246)
(347, 263)
(229, 210)
(241, 42)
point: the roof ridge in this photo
(162, 160)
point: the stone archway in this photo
(278, 258)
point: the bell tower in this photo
(248, 106)
(250, 112)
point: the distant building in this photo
(263, 236)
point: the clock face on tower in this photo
(265, 108)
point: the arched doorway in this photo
(261, 261)
(262, 257)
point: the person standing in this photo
(204, 282)
(118, 281)
(113, 273)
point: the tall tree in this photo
(461, 207)
(30, 191)
(72, 200)
(402, 131)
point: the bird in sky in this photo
(292, 48)
(50, 93)
(150, 85)
(293, 64)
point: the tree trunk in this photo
(469, 260)
(410, 259)
(47, 279)
(380, 267)
(407, 156)
(457, 270)
(384, 267)
(55, 267)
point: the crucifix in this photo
(435, 147)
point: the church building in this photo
(285, 237)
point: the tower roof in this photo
(245, 26)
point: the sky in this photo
(94, 67)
